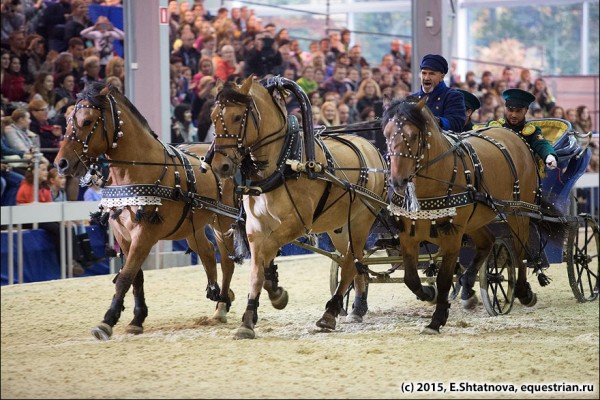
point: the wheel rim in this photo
(497, 279)
(582, 260)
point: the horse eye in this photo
(87, 122)
(237, 118)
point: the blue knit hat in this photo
(435, 62)
(517, 98)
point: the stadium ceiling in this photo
(517, 3)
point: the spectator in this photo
(352, 79)
(49, 134)
(329, 114)
(345, 36)
(91, 71)
(525, 81)
(18, 136)
(115, 82)
(307, 79)
(315, 99)
(343, 113)
(368, 94)
(104, 34)
(487, 82)
(11, 181)
(76, 49)
(182, 129)
(543, 96)
(13, 83)
(52, 24)
(368, 114)
(499, 111)
(396, 53)
(350, 99)
(43, 89)
(203, 90)
(571, 116)
(116, 68)
(336, 82)
(12, 19)
(36, 59)
(227, 64)
(316, 114)
(206, 128)
(189, 55)
(77, 21)
(584, 119)
(65, 89)
(325, 48)
(356, 58)
(264, 58)
(508, 77)
(557, 112)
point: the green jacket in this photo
(533, 136)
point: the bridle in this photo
(417, 154)
(117, 132)
(241, 147)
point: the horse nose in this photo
(62, 165)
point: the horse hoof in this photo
(354, 318)
(327, 321)
(532, 300)
(134, 329)
(244, 333)
(430, 331)
(221, 312)
(231, 295)
(102, 332)
(280, 302)
(470, 303)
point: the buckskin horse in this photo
(155, 192)
(295, 184)
(447, 185)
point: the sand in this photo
(48, 351)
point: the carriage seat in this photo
(560, 135)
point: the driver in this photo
(517, 103)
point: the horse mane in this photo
(229, 93)
(92, 93)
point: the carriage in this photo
(578, 249)
(299, 183)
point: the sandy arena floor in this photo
(48, 352)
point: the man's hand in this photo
(551, 162)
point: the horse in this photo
(154, 192)
(445, 186)
(295, 185)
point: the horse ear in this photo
(247, 85)
(422, 103)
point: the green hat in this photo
(517, 98)
(471, 101)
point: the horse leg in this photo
(278, 296)
(443, 284)
(200, 244)
(360, 231)
(520, 236)
(135, 257)
(484, 240)
(261, 251)
(226, 296)
(140, 310)
(411, 276)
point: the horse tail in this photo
(240, 241)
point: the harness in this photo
(116, 198)
(447, 204)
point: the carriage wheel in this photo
(334, 278)
(582, 260)
(497, 278)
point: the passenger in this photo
(471, 104)
(446, 104)
(517, 104)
